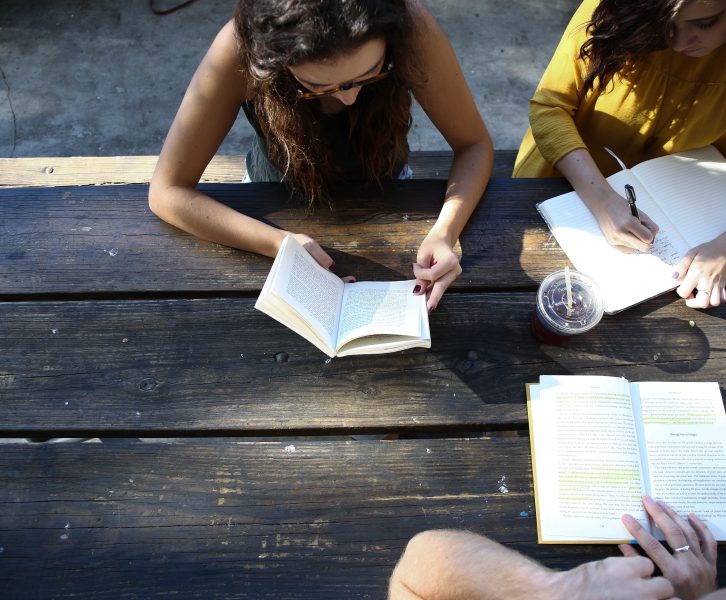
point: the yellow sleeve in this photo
(557, 98)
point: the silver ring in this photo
(704, 292)
(685, 548)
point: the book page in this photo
(684, 426)
(379, 307)
(690, 187)
(624, 278)
(303, 295)
(588, 469)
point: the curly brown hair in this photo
(620, 32)
(276, 34)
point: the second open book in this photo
(600, 443)
(685, 194)
(367, 317)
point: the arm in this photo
(552, 111)
(611, 210)
(458, 565)
(207, 112)
(447, 100)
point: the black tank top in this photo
(336, 130)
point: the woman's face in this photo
(363, 62)
(700, 28)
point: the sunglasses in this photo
(305, 94)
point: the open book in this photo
(367, 317)
(683, 193)
(600, 443)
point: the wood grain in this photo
(105, 239)
(228, 519)
(211, 366)
(122, 170)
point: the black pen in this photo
(630, 193)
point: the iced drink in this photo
(558, 316)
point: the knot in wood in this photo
(49, 170)
(282, 357)
(369, 390)
(148, 385)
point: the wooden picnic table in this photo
(225, 456)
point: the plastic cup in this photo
(553, 322)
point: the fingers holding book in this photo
(315, 250)
(437, 267)
(691, 567)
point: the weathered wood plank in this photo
(123, 170)
(174, 367)
(253, 520)
(49, 171)
(105, 239)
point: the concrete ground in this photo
(103, 77)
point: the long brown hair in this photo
(276, 34)
(621, 32)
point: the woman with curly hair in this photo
(645, 79)
(327, 86)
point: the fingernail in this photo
(417, 289)
(676, 274)
(332, 267)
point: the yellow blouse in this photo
(667, 103)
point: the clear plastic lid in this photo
(583, 314)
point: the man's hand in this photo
(615, 578)
(691, 568)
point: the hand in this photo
(692, 572)
(315, 250)
(614, 578)
(621, 228)
(702, 273)
(436, 267)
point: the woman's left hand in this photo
(435, 269)
(702, 273)
(691, 568)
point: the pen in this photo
(630, 193)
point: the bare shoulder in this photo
(223, 61)
(423, 20)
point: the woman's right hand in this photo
(611, 210)
(620, 227)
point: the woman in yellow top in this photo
(644, 79)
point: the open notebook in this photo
(684, 193)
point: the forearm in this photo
(468, 178)
(458, 565)
(206, 218)
(579, 168)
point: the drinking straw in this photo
(568, 283)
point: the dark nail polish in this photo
(417, 289)
(332, 267)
